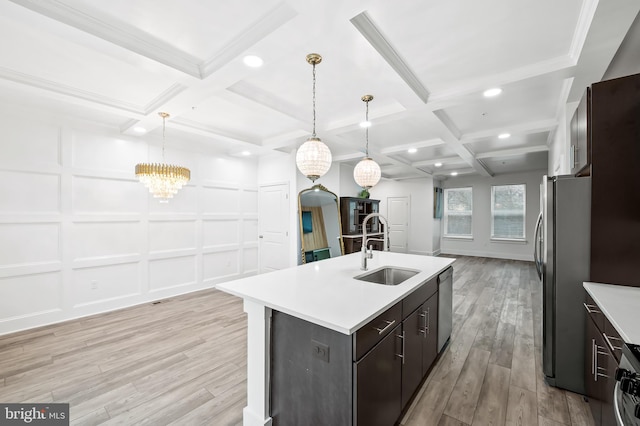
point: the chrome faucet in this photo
(368, 253)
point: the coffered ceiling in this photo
(426, 63)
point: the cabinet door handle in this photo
(599, 350)
(428, 325)
(382, 330)
(423, 329)
(593, 358)
(401, 336)
(613, 348)
(575, 156)
(592, 309)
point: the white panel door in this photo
(398, 215)
(273, 225)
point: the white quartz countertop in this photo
(326, 293)
(621, 305)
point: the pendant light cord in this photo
(314, 100)
(367, 130)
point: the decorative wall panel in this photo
(18, 193)
(168, 235)
(220, 264)
(220, 200)
(220, 232)
(250, 259)
(250, 230)
(30, 295)
(107, 153)
(250, 201)
(91, 240)
(29, 243)
(29, 143)
(99, 195)
(92, 285)
(172, 272)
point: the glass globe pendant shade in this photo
(313, 158)
(367, 173)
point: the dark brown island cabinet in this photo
(603, 350)
(323, 377)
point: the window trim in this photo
(522, 239)
(446, 216)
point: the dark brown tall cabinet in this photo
(353, 211)
(606, 135)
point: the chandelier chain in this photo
(164, 117)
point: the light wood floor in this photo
(183, 361)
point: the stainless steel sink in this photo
(387, 275)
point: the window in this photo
(458, 208)
(508, 212)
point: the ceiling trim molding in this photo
(164, 97)
(521, 129)
(512, 152)
(365, 25)
(404, 147)
(443, 160)
(198, 128)
(587, 12)
(65, 90)
(116, 32)
(267, 99)
(251, 35)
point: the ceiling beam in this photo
(365, 25)
(404, 147)
(512, 152)
(452, 135)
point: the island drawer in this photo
(411, 302)
(375, 330)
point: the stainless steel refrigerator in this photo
(562, 250)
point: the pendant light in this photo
(367, 172)
(313, 157)
(163, 180)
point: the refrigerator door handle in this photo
(536, 252)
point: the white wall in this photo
(420, 232)
(481, 244)
(79, 235)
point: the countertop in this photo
(326, 293)
(621, 305)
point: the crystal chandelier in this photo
(163, 180)
(313, 157)
(367, 172)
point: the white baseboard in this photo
(494, 255)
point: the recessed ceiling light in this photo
(412, 150)
(245, 153)
(454, 173)
(253, 61)
(489, 93)
(438, 164)
(504, 135)
(365, 124)
(139, 129)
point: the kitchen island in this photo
(323, 299)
